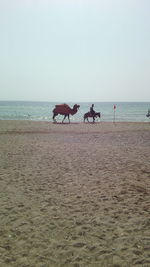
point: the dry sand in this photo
(74, 195)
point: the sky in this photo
(75, 50)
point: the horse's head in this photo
(98, 114)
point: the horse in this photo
(89, 115)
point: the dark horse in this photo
(89, 115)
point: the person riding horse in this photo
(91, 114)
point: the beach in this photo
(74, 195)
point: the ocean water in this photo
(42, 111)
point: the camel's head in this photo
(76, 106)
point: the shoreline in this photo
(74, 194)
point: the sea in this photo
(42, 111)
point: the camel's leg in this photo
(64, 118)
(68, 118)
(55, 114)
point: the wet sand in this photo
(74, 195)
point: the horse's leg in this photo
(93, 119)
(64, 118)
(85, 117)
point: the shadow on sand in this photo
(65, 123)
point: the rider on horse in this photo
(92, 111)
(92, 114)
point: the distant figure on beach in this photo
(148, 113)
(92, 111)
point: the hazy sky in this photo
(81, 50)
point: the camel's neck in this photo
(74, 111)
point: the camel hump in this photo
(62, 108)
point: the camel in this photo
(89, 115)
(64, 109)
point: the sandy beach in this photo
(74, 195)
